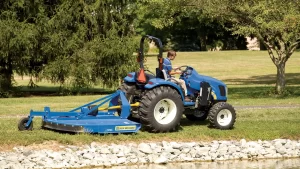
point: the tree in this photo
(79, 42)
(90, 42)
(275, 23)
(17, 41)
(184, 24)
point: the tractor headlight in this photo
(226, 91)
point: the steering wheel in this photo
(183, 72)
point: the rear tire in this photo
(129, 90)
(222, 116)
(161, 110)
(22, 124)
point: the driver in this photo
(167, 66)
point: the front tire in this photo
(222, 116)
(161, 110)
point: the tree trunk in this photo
(280, 80)
(202, 38)
(6, 75)
(203, 43)
(5, 79)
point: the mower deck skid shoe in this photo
(86, 120)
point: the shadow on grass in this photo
(261, 92)
(185, 122)
(291, 79)
(23, 91)
(267, 91)
(234, 92)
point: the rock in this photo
(94, 145)
(88, 156)
(126, 150)
(120, 154)
(186, 150)
(189, 145)
(281, 150)
(243, 142)
(203, 150)
(165, 144)
(134, 160)
(158, 150)
(121, 160)
(145, 148)
(175, 145)
(161, 160)
(27, 153)
(105, 151)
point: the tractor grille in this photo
(222, 90)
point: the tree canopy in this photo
(275, 23)
(68, 42)
(86, 42)
(183, 25)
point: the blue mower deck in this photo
(89, 119)
(92, 125)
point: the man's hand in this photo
(177, 68)
(175, 72)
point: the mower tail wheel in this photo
(22, 124)
(222, 116)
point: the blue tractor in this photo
(162, 102)
(152, 99)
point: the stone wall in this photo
(103, 155)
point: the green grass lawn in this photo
(250, 76)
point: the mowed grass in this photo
(250, 76)
(255, 124)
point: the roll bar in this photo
(159, 56)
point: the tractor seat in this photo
(165, 75)
(161, 74)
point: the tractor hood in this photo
(212, 80)
(193, 80)
(194, 77)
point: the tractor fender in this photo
(130, 77)
(153, 83)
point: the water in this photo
(260, 164)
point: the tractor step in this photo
(189, 103)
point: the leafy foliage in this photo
(275, 23)
(67, 42)
(185, 26)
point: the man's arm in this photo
(174, 72)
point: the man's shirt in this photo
(167, 66)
